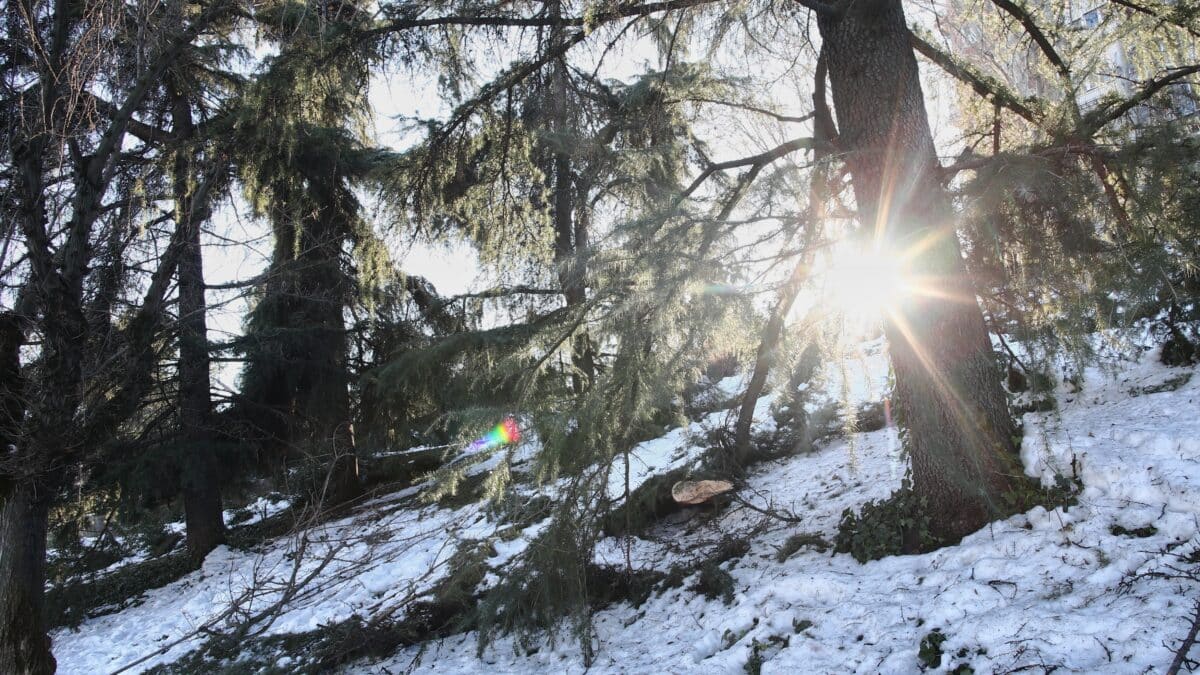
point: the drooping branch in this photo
(745, 106)
(593, 20)
(1167, 17)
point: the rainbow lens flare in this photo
(504, 433)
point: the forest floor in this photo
(1105, 585)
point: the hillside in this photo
(1104, 585)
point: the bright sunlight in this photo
(863, 281)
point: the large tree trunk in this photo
(948, 397)
(201, 490)
(24, 646)
(570, 237)
(298, 376)
(322, 394)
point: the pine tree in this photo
(61, 127)
(204, 516)
(299, 161)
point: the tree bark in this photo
(201, 490)
(948, 397)
(24, 644)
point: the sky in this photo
(399, 94)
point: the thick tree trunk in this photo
(24, 646)
(948, 396)
(567, 255)
(323, 394)
(201, 491)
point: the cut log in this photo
(699, 491)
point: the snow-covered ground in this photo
(1059, 590)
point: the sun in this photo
(863, 281)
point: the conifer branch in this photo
(985, 87)
(1035, 32)
(1103, 116)
(745, 106)
(754, 162)
(511, 21)
(1168, 17)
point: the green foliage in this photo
(800, 540)
(930, 653)
(1024, 493)
(896, 525)
(1139, 532)
(546, 585)
(761, 652)
(714, 582)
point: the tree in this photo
(948, 396)
(203, 514)
(65, 145)
(299, 162)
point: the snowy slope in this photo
(1037, 591)
(1040, 590)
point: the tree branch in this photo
(754, 161)
(511, 21)
(1103, 116)
(985, 87)
(1035, 32)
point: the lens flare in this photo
(504, 433)
(865, 281)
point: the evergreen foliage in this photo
(635, 223)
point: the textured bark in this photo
(24, 645)
(201, 491)
(948, 395)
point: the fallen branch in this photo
(1181, 654)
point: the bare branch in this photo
(1181, 654)
(1035, 32)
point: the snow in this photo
(367, 561)
(257, 511)
(1061, 589)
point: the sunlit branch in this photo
(985, 87)
(1035, 32)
